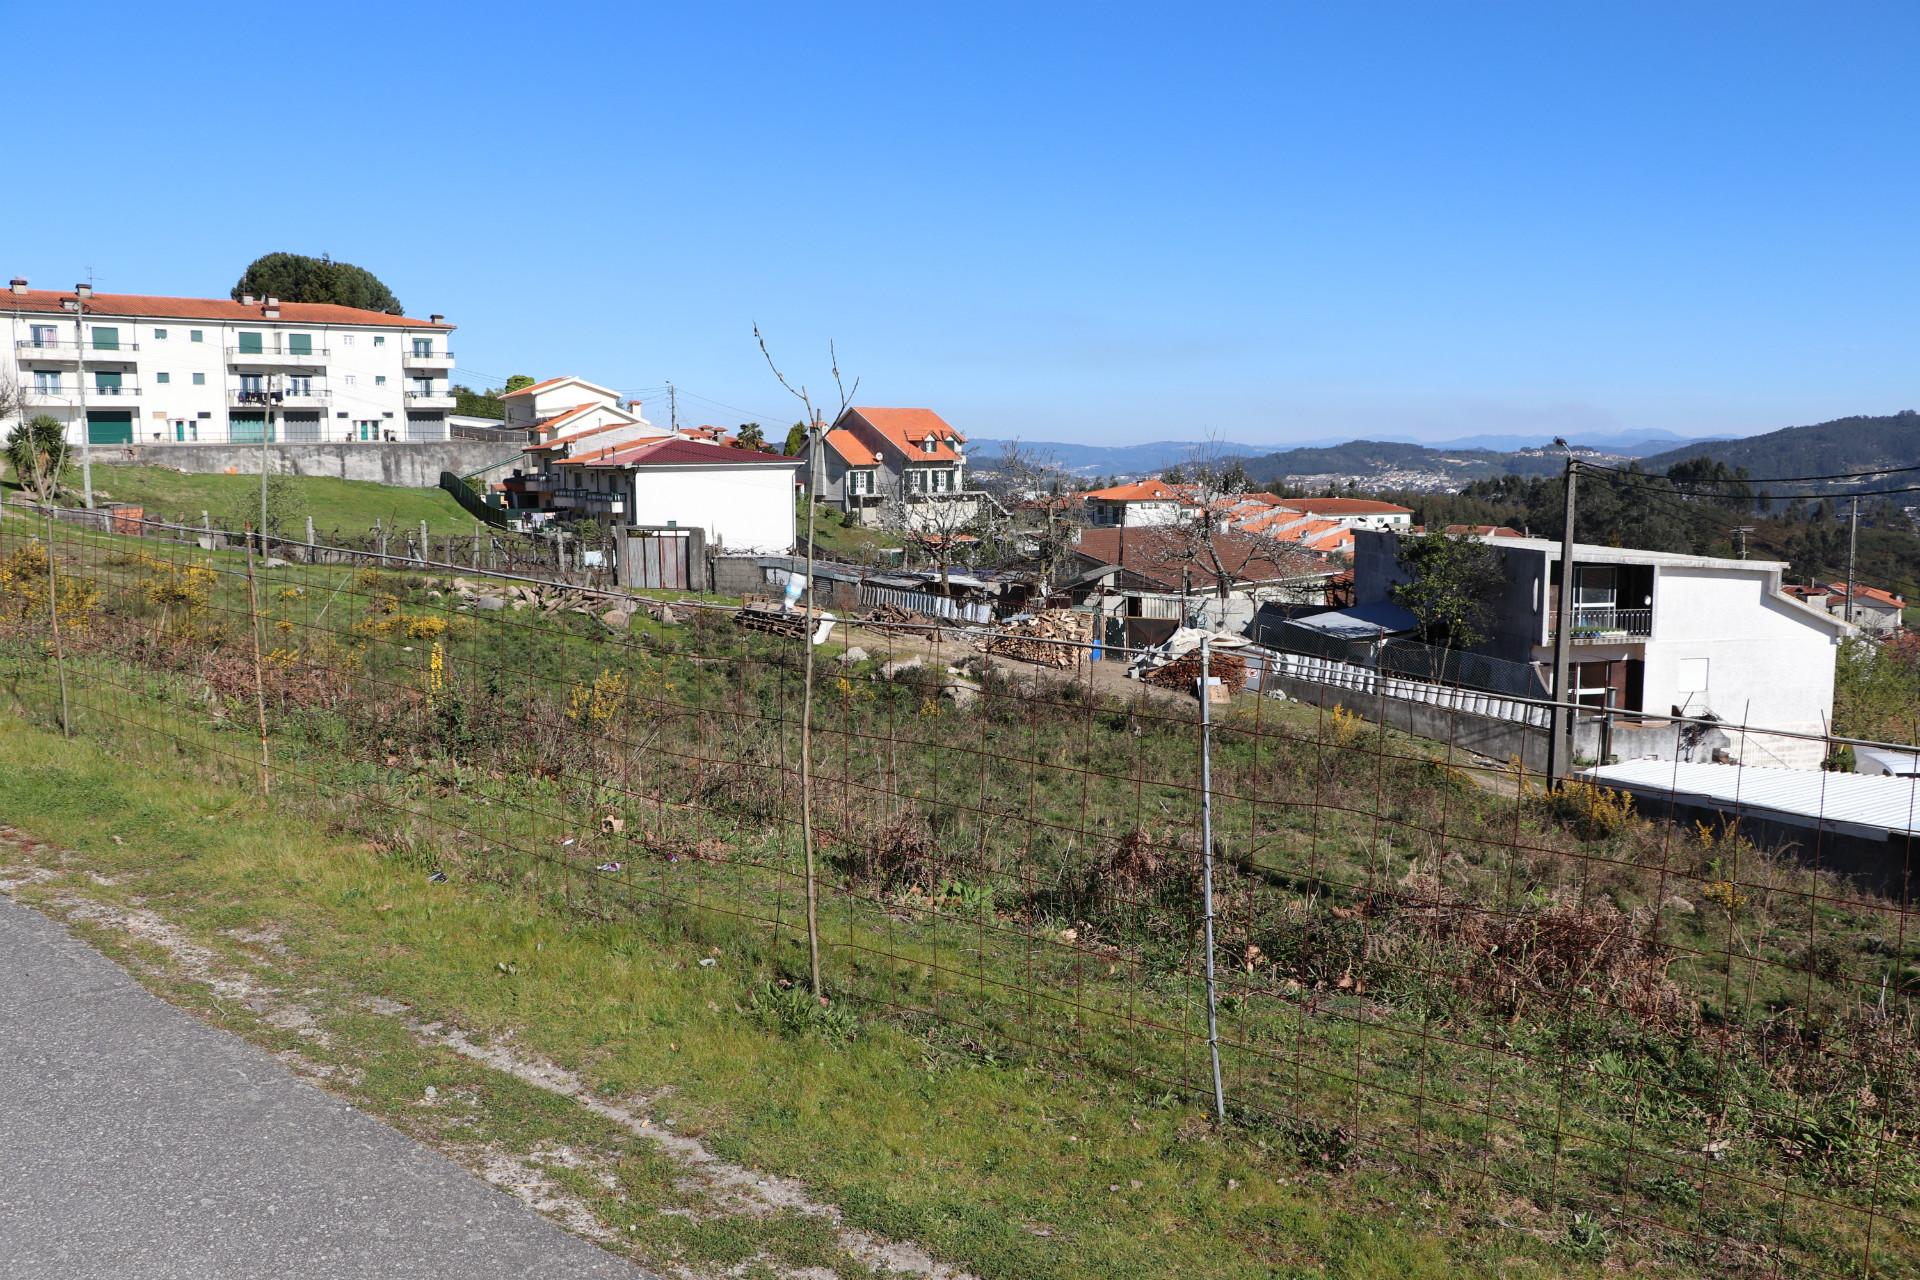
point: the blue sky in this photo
(1096, 223)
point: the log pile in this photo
(1184, 671)
(761, 614)
(1031, 639)
(894, 618)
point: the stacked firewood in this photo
(1184, 671)
(1052, 638)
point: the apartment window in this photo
(163, 378)
(861, 482)
(379, 379)
(927, 445)
(423, 346)
(106, 381)
(159, 335)
(349, 380)
(251, 344)
(346, 339)
(46, 382)
(300, 344)
(366, 430)
(917, 480)
(196, 335)
(300, 385)
(106, 338)
(199, 379)
(45, 335)
(379, 339)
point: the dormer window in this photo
(928, 445)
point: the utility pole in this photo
(1741, 531)
(673, 408)
(1853, 539)
(1560, 744)
(81, 292)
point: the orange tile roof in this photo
(1138, 491)
(542, 385)
(146, 306)
(1484, 530)
(1346, 507)
(849, 447)
(1871, 593)
(1166, 556)
(907, 429)
(1338, 540)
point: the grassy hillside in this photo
(349, 506)
(1467, 1028)
(1861, 443)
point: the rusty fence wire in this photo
(1690, 1030)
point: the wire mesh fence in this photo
(1585, 1014)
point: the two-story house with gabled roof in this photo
(563, 417)
(874, 460)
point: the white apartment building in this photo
(132, 369)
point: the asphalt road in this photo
(138, 1142)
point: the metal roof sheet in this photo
(1808, 797)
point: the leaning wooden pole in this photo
(259, 674)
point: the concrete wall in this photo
(413, 465)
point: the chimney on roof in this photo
(436, 318)
(633, 406)
(18, 284)
(273, 302)
(246, 299)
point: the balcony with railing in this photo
(294, 397)
(411, 359)
(293, 355)
(442, 398)
(1605, 624)
(47, 350)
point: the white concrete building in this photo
(1142, 504)
(152, 370)
(1660, 634)
(563, 418)
(741, 498)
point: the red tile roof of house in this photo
(1335, 540)
(1163, 556)
(1870, 593)
(1346, 507)
(677, 452)
(907, 430)
(849, 447)
(146, 306)
(1484, 531)
(1138, 491)
(541, 385)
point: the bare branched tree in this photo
(816, 429)
(1046, 514)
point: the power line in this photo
(1840, 475)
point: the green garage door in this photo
(247, 428)
(110, 427)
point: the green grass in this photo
(348, 506)
(837, 540)
(1404, 1102)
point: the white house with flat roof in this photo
(121, 368)
(1660, 634)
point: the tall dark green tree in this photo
(1452, 589)
(518, 381)
(796, 440)
(295, 277)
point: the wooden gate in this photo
(671, 559)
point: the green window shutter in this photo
(105, 338)
(163, 378)
(105, 380)
(300, 344)
(199, 379)
(199, 335)
(250, 344)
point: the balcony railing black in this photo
(269, 350)
(1606, 624)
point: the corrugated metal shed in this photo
(1850, 802)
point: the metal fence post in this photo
(1206, 869)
